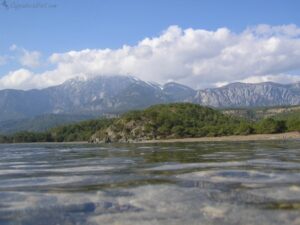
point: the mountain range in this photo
(111, 95)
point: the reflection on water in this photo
(186, 183)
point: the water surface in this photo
(185, 183)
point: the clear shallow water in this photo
(186, 183)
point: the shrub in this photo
(245, 129)
(270, 126)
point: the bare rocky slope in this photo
(250, 95)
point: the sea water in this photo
(186, 183)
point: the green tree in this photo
(270, 126)
(245, 129)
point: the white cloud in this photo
(27, 58)
(30, 59)
(269, 31)
(278, 78)
(19, 79)
(195, 57)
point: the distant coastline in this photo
(174, 122)
(233, 138)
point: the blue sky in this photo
(98, 24)
(79, 24)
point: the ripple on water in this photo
(182, 166)
(241, 176)
(207, 184)
(284, 193)
(159, 204)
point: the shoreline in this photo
(294, 135)
(233, 138)
(67, 143)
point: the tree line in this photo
(165, 121)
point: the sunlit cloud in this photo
(195, 57)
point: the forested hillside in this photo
(176, 120)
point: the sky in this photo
(199, 43)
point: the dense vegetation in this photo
(81, 131)
(40, 123)
(184, 120)
(259, 113)
(162, 121)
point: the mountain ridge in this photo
(117, 94)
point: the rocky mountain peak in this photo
(116, 94)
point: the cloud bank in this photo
(195, 57)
